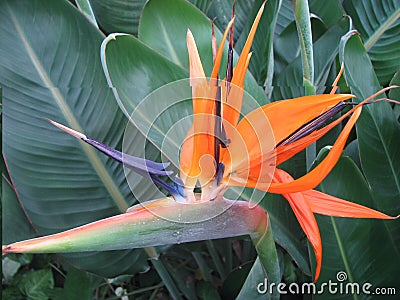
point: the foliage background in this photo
(50, 67)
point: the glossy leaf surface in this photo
(50, 68)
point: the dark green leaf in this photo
(379, 24)
(50, 68)
(285, 17)
(255, 282)
(202, 4)
(353, 152)
(330, 11)
(395, 94)
(15, 225)
(232, 284)
(376, 127)
(362, 248)
(118, 15)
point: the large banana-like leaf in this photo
(330, 12)
(50, 68)
(377, 128)
(15, 226)
(355, 251)
(285, 17)
(118, 15)
(379, 25)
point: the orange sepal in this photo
(328, 205)
(297, 112)
(251, 151)
(198, 147)
(218, 56)
(315, 176)
(305, 217)
(198, 80)
(241, 66)
(234, 98)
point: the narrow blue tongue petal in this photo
(142, 166)
(133, 162)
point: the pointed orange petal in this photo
(305, 217)
(186, 159)
(255, 130)
(328, 205)
(232, 112)
(241, 67)
(284, 152)
(298, 111)
(315, 176)
(218, 57)
(197, 150)
(251, 151)
(195, 66)
(234, 99)
(198, 80)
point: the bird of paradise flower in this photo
(241, 155)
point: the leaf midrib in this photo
(94, 160)
(371, 41)
(169, 45)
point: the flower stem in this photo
(266, 250)
(303, 24)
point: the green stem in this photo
(303, 24)
(266, 250)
